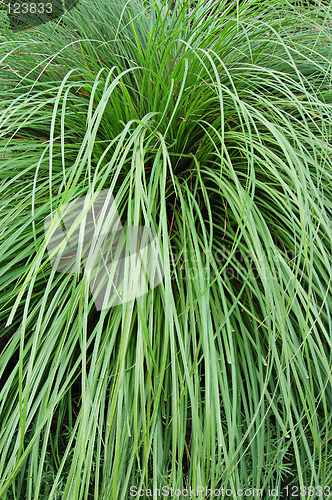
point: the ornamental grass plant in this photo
(211, 124)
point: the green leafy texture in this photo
(212, 125)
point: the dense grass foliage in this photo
(212, 125)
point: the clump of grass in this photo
(213, 126)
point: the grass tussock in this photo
(212, 125)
